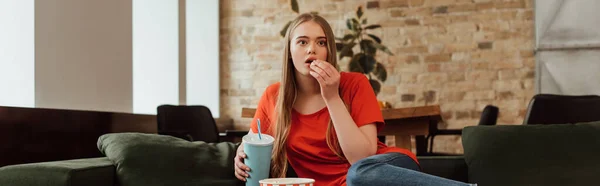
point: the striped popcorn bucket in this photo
(287, 182)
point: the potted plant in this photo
(363, 61)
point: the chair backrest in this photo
(560, 109)
(489, 115)
(195, 121)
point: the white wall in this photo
(83, 55)
(202, 22)
(17, 53)
(109, 55)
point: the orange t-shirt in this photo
(307, 150)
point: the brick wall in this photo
(464, 53)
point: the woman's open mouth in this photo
(310, 60)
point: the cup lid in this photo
(255, 140)
(287, 181)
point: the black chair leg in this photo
(421, 145)
(381, 138)
(431, 144)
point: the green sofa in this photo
(134, 159)
(561, 154)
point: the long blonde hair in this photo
(287, 95)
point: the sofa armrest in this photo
(89, 171)
(450, 167)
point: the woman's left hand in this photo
(328, 78)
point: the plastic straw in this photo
(258, 122)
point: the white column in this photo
(202, 66)
(155, 54)
(17, 86)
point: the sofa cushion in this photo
(78, 172)
(560, 154)
(153, 160)
(451, 167)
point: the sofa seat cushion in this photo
(79, 172)
(153, 160)
(559, 154)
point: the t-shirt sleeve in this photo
(264, 112)
(365, 109)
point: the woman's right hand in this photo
(239, 166)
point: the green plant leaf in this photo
(367, 62)
(348, 37)
(382, 48)
(355, 25)
(375, 85)
(372, 27)
(364, 21)
(359, 12)
(380, 72)
(294, 5)
(347, 50)
(339, 46)
(349, 24)
(375, 38)
(354, 66)
(367, 47)
(284, 29)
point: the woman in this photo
(325, 123)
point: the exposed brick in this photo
(486, 75)
(440, 10)
(464, 27)
(484, 6)
(394, 4)
(514, 64)
(447, 115)
(506, 95)
(485, 45)
(530, 75)
(432, 78)
(453, 96)
(455, 66)
(469, 52)
(509, 4)
(480, 95)
(437, 58)
(372, 4)
(412, 12)
(433, 67)
(456, 76)
(413, 59)
(461, 8)
(462, 114)
(408, 97)
(397, 13)
(413, 49)
(241, 92)
(416, 3)
(388, 89)
(412, 22)
(526, 53)
(459, 47)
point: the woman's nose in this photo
(310, 49)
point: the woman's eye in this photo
(302, 42)
(322, 43)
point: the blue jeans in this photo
(392, 169)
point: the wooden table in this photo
(405, 123)
(402, 123)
